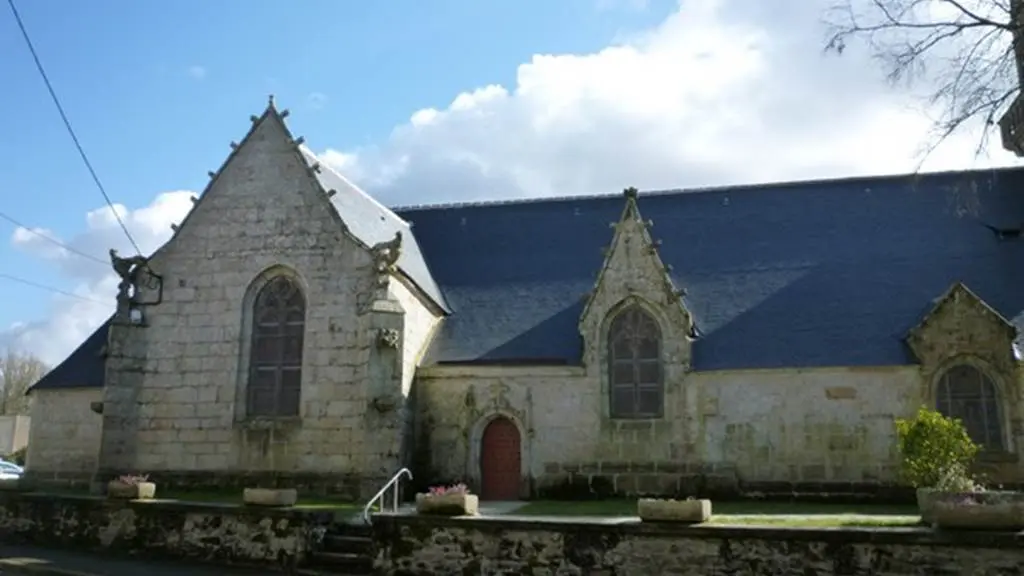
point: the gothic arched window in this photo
(634, 365)
(966, 393)
(275, 360)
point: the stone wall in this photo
(412, 545)
(769, 429)
(421, 320)
(175, 388)
(208, 532)
(64, 443)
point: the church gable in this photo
(634, 276)
(265, 183)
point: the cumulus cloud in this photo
(721, 92)
(94, 285)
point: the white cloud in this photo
(197, 72)
(73, 318)
(722, 92)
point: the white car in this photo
(10, 470)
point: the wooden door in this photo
(500, 461)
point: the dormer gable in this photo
(634, 273)
(962, 323)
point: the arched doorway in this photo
(500, 460)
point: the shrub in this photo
(18, 457)
(934, 449)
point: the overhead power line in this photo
(52, 240)
(67, 123)
(50, 289)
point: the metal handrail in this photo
(380, 494)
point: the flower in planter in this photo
(131, 486)
(454, 500)
(956, 478)
(446, 490)
(133, 479)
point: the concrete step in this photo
(338, 543)
(347, 548)
(342, 563)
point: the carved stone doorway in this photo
(500, 460)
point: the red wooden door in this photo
(500, 461)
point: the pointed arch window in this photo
(967, 393)
(275, 360)
(635, 372)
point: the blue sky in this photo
(417, 102)
(156, 91)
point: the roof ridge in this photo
(754, 187)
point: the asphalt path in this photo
(31, 560)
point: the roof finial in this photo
(270, 101)
(630, 192)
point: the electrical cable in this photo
(67, 122)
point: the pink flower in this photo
(445, 490)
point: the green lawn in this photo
(746, 513)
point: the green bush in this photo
(931, 447)
(18, 457)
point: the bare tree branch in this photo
(17, 373)
(962, 51)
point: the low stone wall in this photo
(412, 545)
(222, 533)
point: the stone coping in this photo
(180, 506)
(922, 536)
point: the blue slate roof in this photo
(821, 273)
(84, 368)
(803, 274)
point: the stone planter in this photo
(681, 511)
(926, 499)
(997, 510)
(123, 491)
(267, 497)
(448, 504)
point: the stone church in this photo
(295, 331)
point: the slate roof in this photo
(84, 368)
(371, 222)
(820, 273)
(802, 274)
